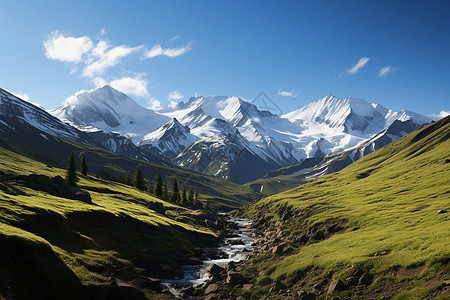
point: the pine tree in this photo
(183, 196)
(196, 196)
(71, 177)
(83, 165)
(165, 194)
(128, 180)
(191, 196)
(175, 191)
(158, 190)
(138, 180)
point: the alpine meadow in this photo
(224, 150)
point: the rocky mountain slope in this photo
(266, 141)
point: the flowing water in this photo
(197, 275)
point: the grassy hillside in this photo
(221, 194)
(378, 215)
(57, 248)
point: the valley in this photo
(369, 222)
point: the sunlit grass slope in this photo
(387, 201)
(51, 245)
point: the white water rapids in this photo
(197, 275)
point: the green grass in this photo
(84, 243)
(391, 195)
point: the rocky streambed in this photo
(198, 278)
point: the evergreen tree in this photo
(128, 180)
(71, 177)
(83, 165)
(165, 194)
(158, 190)
(183, 196)
(175, 191)
(138, 180)
(196, 197)
(191, 196)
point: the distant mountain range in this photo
(231, 138)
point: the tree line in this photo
(160, 189)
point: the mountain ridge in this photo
(328, 125)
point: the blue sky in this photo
(395, 53)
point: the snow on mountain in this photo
(109, 110)
(220, 135)
(171, 138)
(346, 123)
(23, 111)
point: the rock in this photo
(280, 249)
(336, 285)
(352, 281)
(235, 278)
(41, 179)
(211, 297)
(246, 250)
(211, 288)
(59, 180)
(194, 261)
(214, 269)
(441, 211)
(365, 279)
(247, 287)
(82, 196)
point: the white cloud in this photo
(444, 113)
(99, 82)
(175, 95)
(94, 60)
(153, 103)
(170, 52)
(103, 57)
(131, 86)
(66, 49)
(174, 38)
(361, 63)
(173, 104)
(291, 93)
(385, 71)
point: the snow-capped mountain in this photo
(231, 138)
(170, 139)
(21, 111)
(110, 110)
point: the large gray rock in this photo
(211, 288)
(235, 278)
(336, 285)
